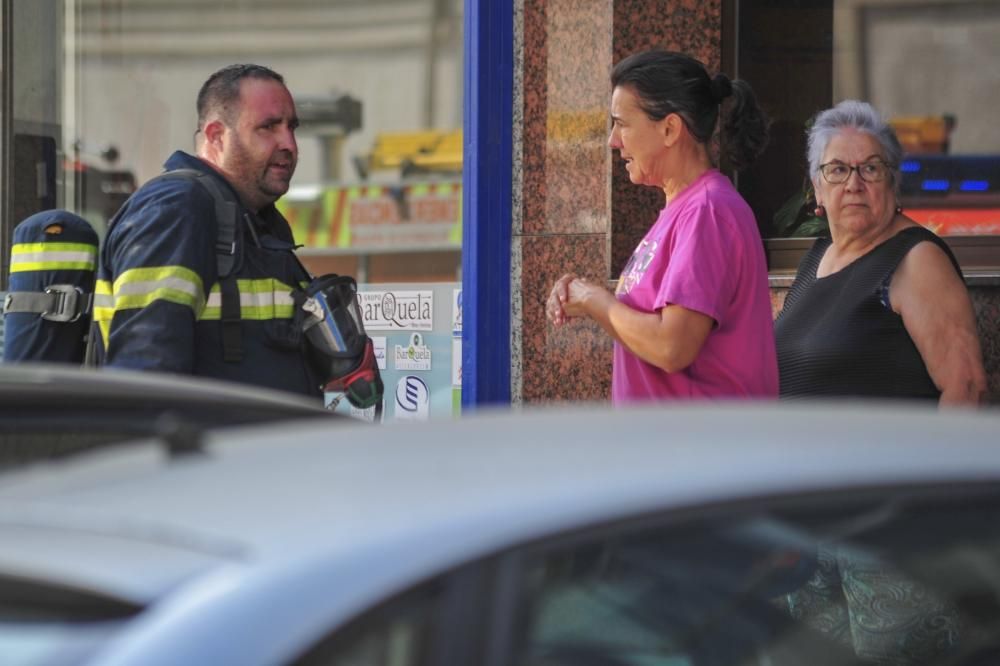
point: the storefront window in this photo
(378, 86)
(99, 93)
(932, 68)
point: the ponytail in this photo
(744, 126)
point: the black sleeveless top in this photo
(838, 335)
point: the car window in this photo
(46, 624)
(396, 634)
(898, 579)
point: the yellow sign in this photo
(379, 216)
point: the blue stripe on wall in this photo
(488, 117)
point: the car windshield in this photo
(900, 582)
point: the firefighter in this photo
(173, 294)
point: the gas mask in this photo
(338, 348)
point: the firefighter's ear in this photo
(214, 131)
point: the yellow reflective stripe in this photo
(260, 299)
(139, 287)
(105, 328)
(104, 309)
(104, 302)
(52, 256)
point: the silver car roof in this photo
(264, 492)
(380, 507)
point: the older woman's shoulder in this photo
(920, 245)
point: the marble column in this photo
(575, 210)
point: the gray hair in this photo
(860, 116)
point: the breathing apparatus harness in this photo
(53, 265)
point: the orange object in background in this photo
(958, 221)
(924, 134)
(379, 217)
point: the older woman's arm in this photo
(669, 339)
(936, 310)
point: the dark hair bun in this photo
(722, 87)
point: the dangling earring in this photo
(819, 211)
(899, 209)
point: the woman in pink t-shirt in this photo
(691, 316)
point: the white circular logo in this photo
(412, 399)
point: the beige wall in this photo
(923, 57)
(139, 64)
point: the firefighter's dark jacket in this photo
(158, 300)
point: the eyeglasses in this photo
(837, 173)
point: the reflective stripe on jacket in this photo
(158, 297)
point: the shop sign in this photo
(377, 216)
(415, 356)
(364, 414)
(413, 399)
(397, 310)
(378, 342)
(456, 361)
(456, 312)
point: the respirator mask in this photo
(338, 348)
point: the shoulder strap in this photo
(810, 262)
(226, 220)
(805, 275)
(899, 245)
(226, 216)
(925, 234)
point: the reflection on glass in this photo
(378, 88)
(855, 582)
(933, 68)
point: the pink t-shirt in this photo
(703, 253)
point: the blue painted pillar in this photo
(486, 201)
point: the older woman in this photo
(691, 314)
(880, 307)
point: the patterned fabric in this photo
(889, 619)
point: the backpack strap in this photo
(226, 220)
(230, 316)
(226, 216)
